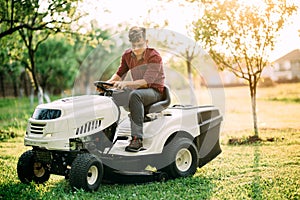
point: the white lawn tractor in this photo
(83, 138)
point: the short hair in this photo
(136, 33)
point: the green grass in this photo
(285, 99)
(266, 170)
(287, 93)
(14, 115)
(262, 170)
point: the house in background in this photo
(287, 68)
(284, 69)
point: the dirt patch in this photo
(244, 140)
(252, 140)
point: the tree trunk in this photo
(190, 77)
(15, 86)
(2, 85)
(87, 81)
(38, 89)
(40, 95)
(31, 97)
(25, 83)
(252, 86)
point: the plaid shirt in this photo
(149, 68)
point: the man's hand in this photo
(102, 86)
(99, 89)
(130, 84)
(121, 84)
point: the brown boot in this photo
(135, 145)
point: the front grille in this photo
(37, 128)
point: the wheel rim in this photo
(183, 160)
(92, 175)
(38, 169)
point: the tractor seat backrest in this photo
(160, 105)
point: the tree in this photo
(56, 65)
(188, 51)
(91, 50)
(35, 20)
(27, 14)
(10, 65)
(240, 36)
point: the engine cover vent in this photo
(89, 126)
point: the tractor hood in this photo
(83, 105)
(52, 125)
(76, 112)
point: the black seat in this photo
(160, 105)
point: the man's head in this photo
(137, 37)
(136, 34)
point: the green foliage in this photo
(56, 64)
(98, 55)
(35, 15)
(35, 21)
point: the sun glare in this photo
(251, 3)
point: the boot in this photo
(135, 145)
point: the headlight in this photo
(46, 114)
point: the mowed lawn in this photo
(266, 170)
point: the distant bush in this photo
(286, 80)
(5, 135)
(266, 82)
(286, 99)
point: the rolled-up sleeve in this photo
(123, 68)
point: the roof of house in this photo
(293, 55)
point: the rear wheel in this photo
(86, 172)
(29, 169)
(182, 157)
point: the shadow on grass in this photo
(18, 191)
(181, 188)
(199, 187)
(256, 183)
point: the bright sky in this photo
(135, 12)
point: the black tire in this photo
(182, 158)
(30, 170)
(162, 177)
(86, 172)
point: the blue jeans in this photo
(137, 100)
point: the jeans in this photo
(136, 100)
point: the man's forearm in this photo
(142, 83)
(114, 78)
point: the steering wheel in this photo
(102, 84)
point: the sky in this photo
(134, 12)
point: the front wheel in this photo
(86, 172)
(182, 156)
(29, 169)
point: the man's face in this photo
(139, 47)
